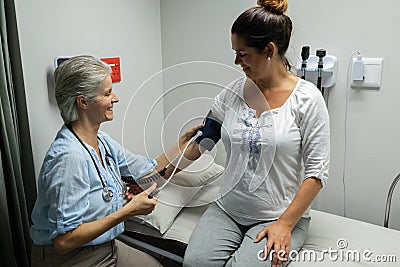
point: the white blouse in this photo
(268, 157)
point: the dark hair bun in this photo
(275, 6)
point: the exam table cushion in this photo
(178, 193)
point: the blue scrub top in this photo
(70, 189)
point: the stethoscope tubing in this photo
(107, 193)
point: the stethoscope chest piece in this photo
(107, 194)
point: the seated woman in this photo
(78, 212)
(276, 134)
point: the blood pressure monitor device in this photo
(211, 132)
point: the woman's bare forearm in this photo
(303, 199)
(86, 232)
(191, 154)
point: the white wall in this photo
(195, 31)
(373, 144)
(125, 28)
(200, 30)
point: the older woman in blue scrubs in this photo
(78, 211)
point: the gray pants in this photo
(219, 241)
(114, 253)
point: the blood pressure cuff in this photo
(211, 132)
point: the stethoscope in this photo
(106, 193)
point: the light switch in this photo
(372, 74)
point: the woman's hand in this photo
(134, 189)
(188, 134)
(141, 204)
(278, 238)
(85, 232)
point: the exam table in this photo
(332, 240)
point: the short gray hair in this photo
(79, 75)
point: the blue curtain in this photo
(17, 175)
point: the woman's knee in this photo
(191, 259)
(205, 254)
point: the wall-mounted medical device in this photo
(113, 62)
(305, 54)
(320, 69)
(59, 60)
(115, 66)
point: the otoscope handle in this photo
(321, 53)
(305, 52)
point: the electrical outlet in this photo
(372, 74)
(114, 63)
